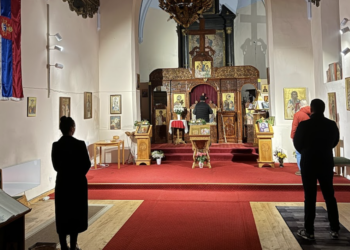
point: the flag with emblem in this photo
(11, 68)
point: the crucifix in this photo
(201, 32)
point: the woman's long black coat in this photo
(71, 161)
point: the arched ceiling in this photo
(233, 5)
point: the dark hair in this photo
(317, 106)
(66, 123)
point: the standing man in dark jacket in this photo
(314, 139)
(202, 110)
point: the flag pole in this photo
(48, 51)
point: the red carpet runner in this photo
(185, 212)
(160, 225)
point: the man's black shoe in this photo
(334, 235)
(302, 233)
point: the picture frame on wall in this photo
(292, 98)
(87, 105)
(160, 117)
(144, 93)
(203, 69)
(335, 72)
(264, 88)
(332, 106)
(228, 101)
(115, 122)
(347, 93)
(116, 104)
(179, 100)
(31, 106)
(64, 107)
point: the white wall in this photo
(118, 67)
(339, 86)
(159, 48)
(251, 38)
(291, 61)
(27, 138)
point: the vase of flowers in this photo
(178, 110)
(280, 156)
(201, 158)
(158, 155)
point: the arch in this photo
(143, 13)
(196, 91)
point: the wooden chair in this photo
(340, 162)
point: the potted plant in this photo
(139, 123)
(201, 158)
(198, 122)
(280, 156)
(178, 110)
(158, 155)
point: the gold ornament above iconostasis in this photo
(185, 12)
(85, 8)
(222, 72)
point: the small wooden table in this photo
(265, 146)
(108, 144)
(200, 139)
(178, 124)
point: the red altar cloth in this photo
(177, 124)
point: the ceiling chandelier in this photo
(85, 8)
(185, 12)
(316, 2)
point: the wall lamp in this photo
(344, 30)
(344, 21)
(57, 36)
(56, 47)
(57, 65)
(345, 51)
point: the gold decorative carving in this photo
(242, 82)
(176, 74)
(237, 72)
(85, 8)
(195, 84)
(229, 30)
(156, 75)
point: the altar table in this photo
(108, 144)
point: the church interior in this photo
(130, 74)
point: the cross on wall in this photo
(254, 19)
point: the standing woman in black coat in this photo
(71, 161)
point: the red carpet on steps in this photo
(218, 152)
(160, 225)
(182, 172)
